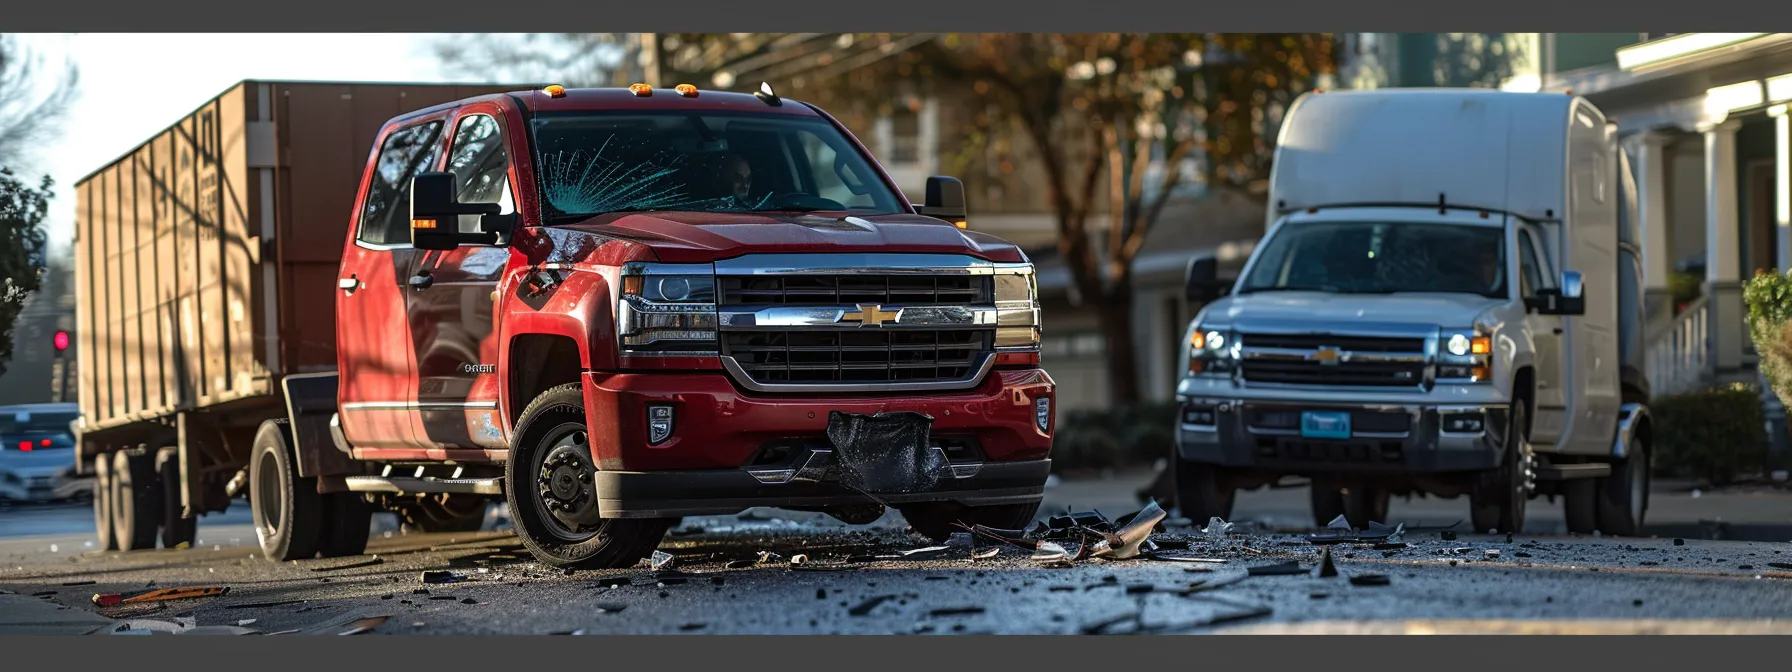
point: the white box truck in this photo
(1446, 303)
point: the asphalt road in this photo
(1471, 583)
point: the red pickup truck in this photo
(618, 307)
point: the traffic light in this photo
(61, 341)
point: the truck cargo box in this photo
(205, 257)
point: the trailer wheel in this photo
(549, 484)
(102, 503)
(345, 529)
(177, 529)
(136, 501)
(938, 520)
(288, 511)
(1624, 495)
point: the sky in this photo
(136, 85)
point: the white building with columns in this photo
(1704, 118)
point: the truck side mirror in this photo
(945, 200)
(1203, 282)
(436, 212)
(1564, 299)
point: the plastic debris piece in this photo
(1341, 524)
(610, 607)
(158, 595)
(1327, 568)
(798, 559)
(1370, 580)
(1048, 551)
(768, 557)
(886, 453)
(986, 553)
(1491, 553)
(1124, 544)
(661, 560)
(1279, 569)
(439, 576)
(245, 622)
(739, 564)
(1217, 529)
(956, 611)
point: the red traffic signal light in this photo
(61, 341)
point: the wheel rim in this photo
(270, 507)
(565, 496)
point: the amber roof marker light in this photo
(641, 90)
(554, 91)
(686, 90)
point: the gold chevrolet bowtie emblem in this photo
(870, 315)
(1326, 356)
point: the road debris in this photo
(866, 607)
(610, 607)
(1217, 529)
(158, 595)
(985, 553)
(1327, 569)
(798, 559)
(956, 611)
(440, 576)
(1491, 553)
(1370, 580)
(660, 560)
(1339, 531)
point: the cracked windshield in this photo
(1382, 258)
(592, 164)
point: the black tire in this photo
(1327, 502)
(288, 511)
(136, 501)
(554, 424)
(176, 528)
(1364, 504)
(1580, 506)
(1624, 495)
(106, 537)
(938, 520)
(347, 517)
(431, 516)
(1497, 502)
(1200, 492)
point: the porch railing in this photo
(1677, 353)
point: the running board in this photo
(1569, 472)
(404, 485)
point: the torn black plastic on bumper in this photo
(713, 492)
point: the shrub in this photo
(1082, 440)
(1716, 434)
(1685, 288)
(1769, 299)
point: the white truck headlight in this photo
(1212, 351)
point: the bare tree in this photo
(570, 59)
(34, 97)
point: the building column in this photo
(1723, 249)
(1658, 253)
(1782, 184)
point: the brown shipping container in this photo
(206, 257)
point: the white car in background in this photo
(37, 455)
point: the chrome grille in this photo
(859, 356)
(1333, 360)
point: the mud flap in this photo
(887, 453)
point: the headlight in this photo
(1212, 351)
(1017, 307)
(1468, 355)
(667, 309)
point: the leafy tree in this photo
(22, 210)
(27, 117)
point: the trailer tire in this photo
(553, 426)
(136, 501)
(102, 503)
(346, 527)
(177, 529)
(938, 520)
(287, 509)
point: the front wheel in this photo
(1497, 502)
(549, 485)
(1624, 495)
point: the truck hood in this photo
(702, 237)
(1339, 310)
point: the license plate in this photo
(1325, 424)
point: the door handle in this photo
(349, 284)
(1558, 331)
(422, 281)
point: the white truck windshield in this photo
(1382, 258)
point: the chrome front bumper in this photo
(1385, 438)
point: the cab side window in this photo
(1530, 273)
(408, 152)
(480, 164)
